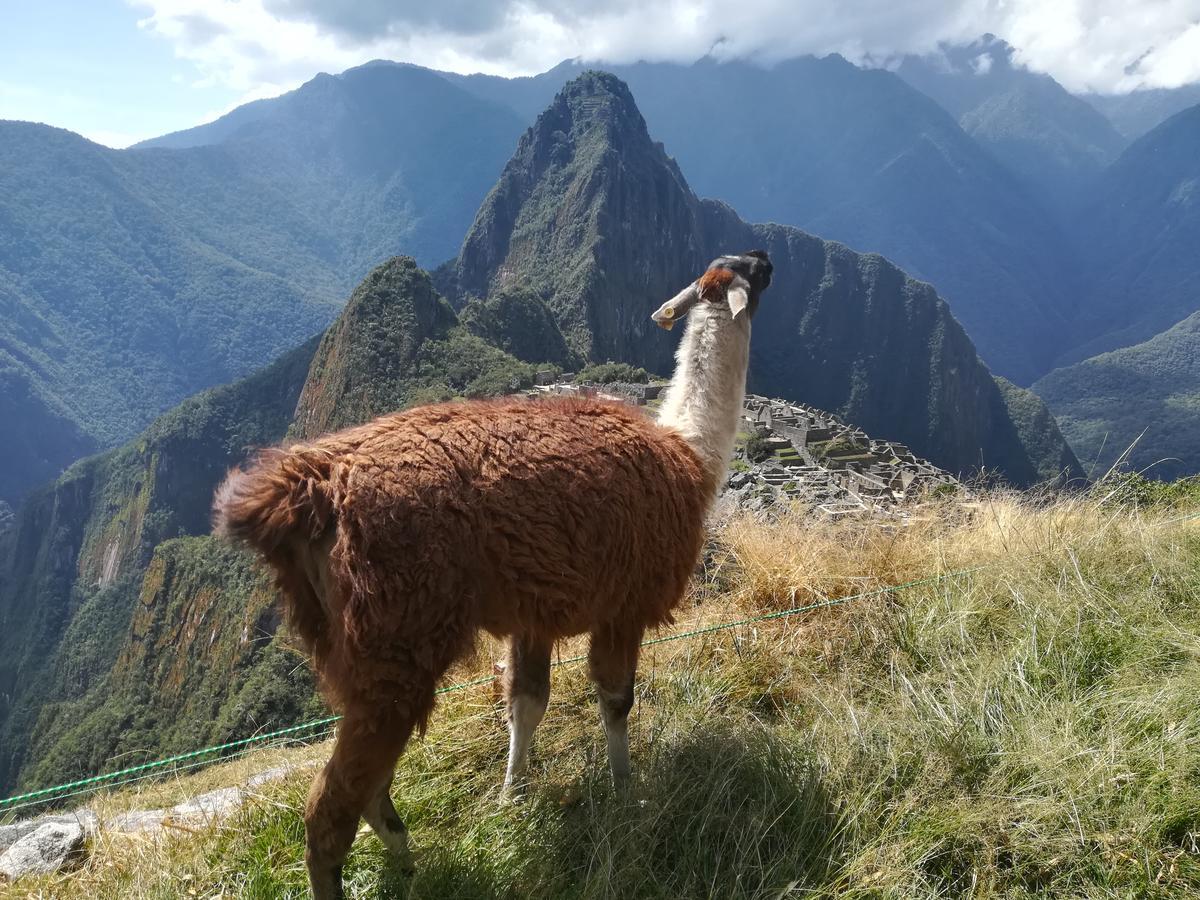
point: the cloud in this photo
(264, 46)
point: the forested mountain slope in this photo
(1145, 397)
(1031, 123)
(124, 626)
(1142, 228)
(594, 216)
(130, 279)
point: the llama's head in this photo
(732, 282)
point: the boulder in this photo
(10, 834)
(46, 849)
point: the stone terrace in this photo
(813, 458)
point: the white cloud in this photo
(261, 47)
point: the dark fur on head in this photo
(754, 267)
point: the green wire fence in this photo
(323, 727)
(301, 733)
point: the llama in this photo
(393, 543)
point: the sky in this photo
(118, 71)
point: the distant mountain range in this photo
(859, 156)
(1053, 140)
(124, 626)
(131, 279)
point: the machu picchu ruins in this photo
(791, 452)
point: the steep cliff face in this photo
(397, 344)
(861, 157)
(72, 567)
(123, 626)
(596, 218)
(852, 334)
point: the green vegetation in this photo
(131, 279)
(758, 447)
(396, 344)
(81, 560)
(1141, 403)
(519, 323)
(860, 158)
(1053, 139)
(1140, 228)
(607, 372)
(133, 633)
(879, 348)
(1027, 730)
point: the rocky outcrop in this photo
(51, 843)
(45, 849)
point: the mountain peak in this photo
(593, 217)
(366, 356)
(592, 100)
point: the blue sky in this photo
(118, 71)
(87, 66)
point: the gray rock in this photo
(137, 821)
(212, 805)
(46, 849)
(10, 834)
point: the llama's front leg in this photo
(527, 689)
(612, 663)
(381, 815)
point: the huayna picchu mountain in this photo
(597, 219)
(126, 629)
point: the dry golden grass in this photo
(1029, 728)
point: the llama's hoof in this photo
(512, 794)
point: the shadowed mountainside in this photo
(1031, 123)
(593, 216)
(1146, 397)
(861, 157)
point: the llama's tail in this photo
(283, 494)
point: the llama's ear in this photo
(677, 307)
(738, 297)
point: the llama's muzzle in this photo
(677, 307)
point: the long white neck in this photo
(704, 400)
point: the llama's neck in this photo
(704, 400)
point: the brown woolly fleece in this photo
(395, 541)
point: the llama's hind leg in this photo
(527, 689)
(612, 663)
(381, 815)
(363, 759)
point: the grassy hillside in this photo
(1145, 397)
(1027, 730)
